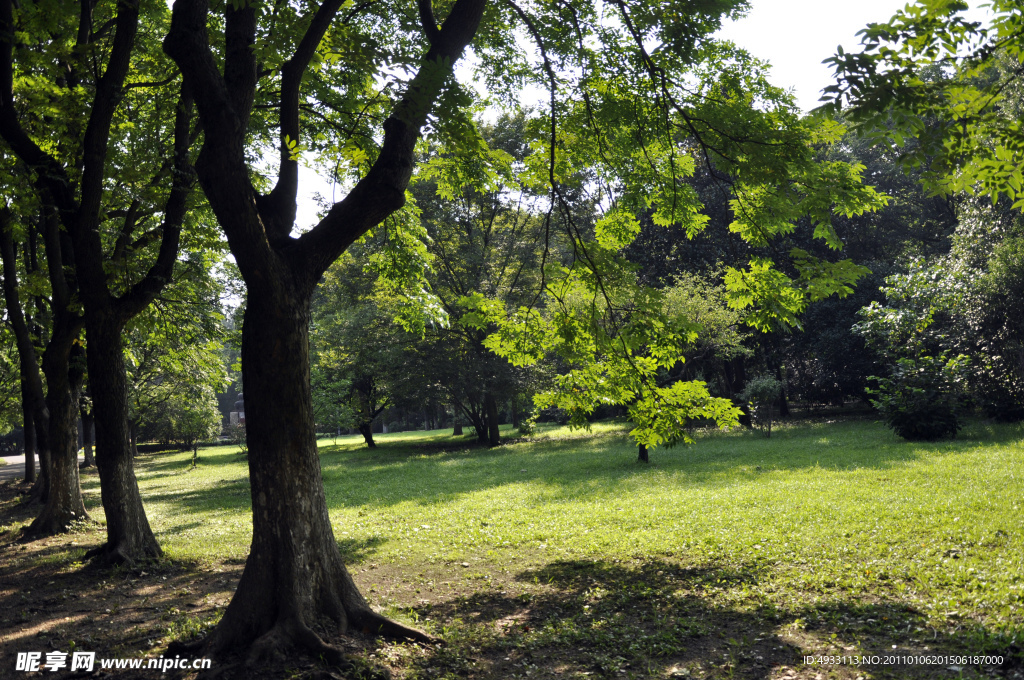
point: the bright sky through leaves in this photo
(795, 36)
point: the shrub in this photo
(762, 393)
(920, 401)
(236, 433)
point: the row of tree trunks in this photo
(33, 402)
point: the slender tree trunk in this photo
(294, 578)
(491, 411)
(642, 456)
(64, 376)
(133, 432)
(41, 423)
(129, 537)
(33, 403)
(480, 426)
(88, 437)
(783, 402)
(365, 425)
(736, 377)
(29, 432)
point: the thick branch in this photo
(382, 190)
(427, 21)
(85, 227)
(278, 209)
(240, 59)
(161, 271)
(50, 173)
(221, 166)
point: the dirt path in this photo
(14, 471)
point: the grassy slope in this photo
(823, 529)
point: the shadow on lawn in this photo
(657, 620)
(443, 468)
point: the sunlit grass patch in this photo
(832, 523)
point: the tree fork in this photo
(294, 574)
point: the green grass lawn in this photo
(831, 536)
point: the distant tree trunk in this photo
(366, 429)
(479, 422)
(133, 432)
(33, 401)
(88, 437)
(29, 432)
(129, 536)
(783, 402)
(735, 376)
(64, 375)
(491, 409)
(642, 456)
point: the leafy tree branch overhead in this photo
(949, 84)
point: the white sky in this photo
(795, 36)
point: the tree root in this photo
(51, 525)
(372, 623)
(105, 556)
(194, 648)
(293, 633)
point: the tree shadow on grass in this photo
(657, 619)
(356, 550)
(168, 461)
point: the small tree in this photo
(762, 393)
(190, 417)
(236, 433)
(912, 334)
(920, 399)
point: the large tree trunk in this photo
(64, 375)
(294, 579)
(129, 537)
